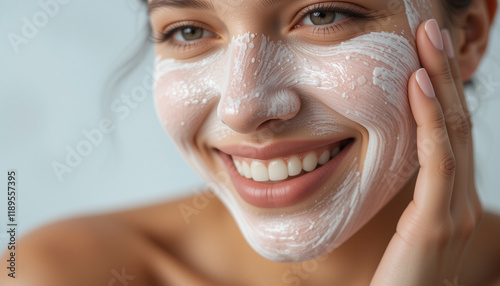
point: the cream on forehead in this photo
(417, 11)
(363, 79)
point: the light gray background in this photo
(52, 89)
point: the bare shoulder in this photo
(110, 249)
(175, 216)
(482, 261)
(80, 251)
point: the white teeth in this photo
(246, 170)
(294, 166)
(278, 170)
(310, 162)
(259, 172)
(335, 152)
(324, 158)
(238, 166)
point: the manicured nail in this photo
(434, 34)
(424, 81)
(448, 44)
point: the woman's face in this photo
(295, 112)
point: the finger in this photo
(473, 199)
(466, 208)
(422, 221)
(434, 184)
(455, 70)
(474, 202)
(435, 59)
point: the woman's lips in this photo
(279, 149)
(252, 177)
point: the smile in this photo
(279, 169)
(284, 180)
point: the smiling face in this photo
(294, 112)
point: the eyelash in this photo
(166, 36)
(354, 13)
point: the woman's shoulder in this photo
(71, 252)
(482, 258)
(112, 249)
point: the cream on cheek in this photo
(363, 79)
(184, 93)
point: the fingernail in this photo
(424, 81)
(448, 44)
(434, 34)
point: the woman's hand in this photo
(435, 228)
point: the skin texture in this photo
(288, 234)
(428, 234)
(347, 83)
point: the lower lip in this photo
(286, 193)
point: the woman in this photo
(328, 147)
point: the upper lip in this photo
(277, 149)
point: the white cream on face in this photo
(363, 79)
(417, 11)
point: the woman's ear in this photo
(472, 36)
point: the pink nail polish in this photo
(434, 34)
(425, 83)
(448, 44)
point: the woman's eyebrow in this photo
(198, 4)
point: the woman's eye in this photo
(318, 18)
(187, 34)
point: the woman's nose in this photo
(258, 87)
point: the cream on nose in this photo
(255, 92)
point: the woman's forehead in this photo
(241, 4)
(413, 7)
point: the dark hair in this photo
(456, 8)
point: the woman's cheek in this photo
(184, 96)
(366, 81)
